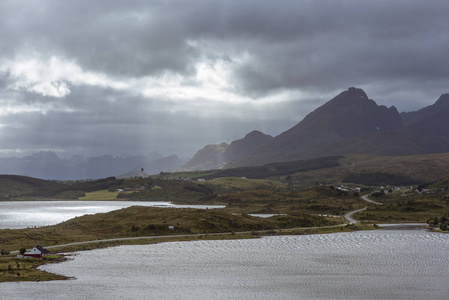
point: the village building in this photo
(36, 252)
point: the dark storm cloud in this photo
(294, 43)
(359, 43)
(125, 76)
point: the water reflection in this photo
(24, 214)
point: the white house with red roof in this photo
(36, 252)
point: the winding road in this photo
(348, 216)
(370, 201)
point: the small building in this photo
(36, 252)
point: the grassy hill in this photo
(150, 221)
(406, 208)
(442, 184)
(369, 170)
(14, 187)
(410, 169)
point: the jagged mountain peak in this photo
(344, 124)
(353, 123)
(354, 92)
(352, 114)
(393, 108)
(353, 98)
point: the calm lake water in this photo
(382, 264)
(24, 214)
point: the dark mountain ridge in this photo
(353, 123)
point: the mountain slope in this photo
(210, 157)
(352, 123)
(246, 146)
(347, 116)
(429, 127)
(216, 156)
(423, 114)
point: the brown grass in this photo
(427, 168)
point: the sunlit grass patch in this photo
(102, 195)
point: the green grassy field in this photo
(19, 269)
(102, 195)
(405, 208)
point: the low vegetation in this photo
(380, 178)
(13, 187)
(101, 195)
(318, 200)
(406, 208)
(19, 269)
(151, 221)
(418, 168)
(441, 222)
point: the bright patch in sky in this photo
(52, 77)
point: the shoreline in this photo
(68, 249)
(352, 225)
(71, 249)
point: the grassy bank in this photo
(19, 269)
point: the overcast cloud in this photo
(132, 77)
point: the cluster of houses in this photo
(390, 189)
(181, 178)
(348, 189)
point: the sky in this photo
(132, 77)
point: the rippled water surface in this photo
(23, 214)
(382, 264)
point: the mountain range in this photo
(350, 123)
(347, 124)
(47, 165)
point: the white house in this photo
(37, 252)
